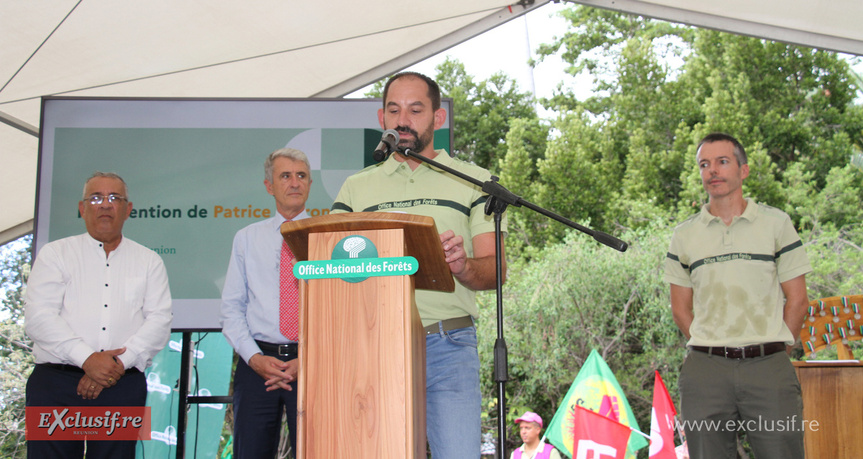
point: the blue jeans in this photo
(453, 400)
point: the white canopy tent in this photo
(832, 25)
(164, 48)
(279, 49)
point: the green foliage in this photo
(624, 161)
(579, 175)
(483, 111)
(595, 38)
(625, 156)
(518, 172)
(576, 296)
(16, 360)
(647, 173)
(836, 256)
(836, 205)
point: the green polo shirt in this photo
(454, 204)
(735, 272)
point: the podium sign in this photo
(362, 345)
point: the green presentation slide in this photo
(195, 174)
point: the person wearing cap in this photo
(530, 426)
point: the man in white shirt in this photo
(98, 308)
(259, 313)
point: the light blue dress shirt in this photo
(250, 298)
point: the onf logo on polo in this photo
(355, 259)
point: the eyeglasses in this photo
(97, 199)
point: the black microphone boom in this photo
(389, 140)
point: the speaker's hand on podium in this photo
(478, 272)
(276, 373)
(453, 250)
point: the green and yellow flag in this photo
(595, 388)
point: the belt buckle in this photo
(284, 350)
(730, 355)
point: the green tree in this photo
(836, 256)
(483, 111)
(16, 360)
(518, 172)
(787, 105)
(623, 160)
(579, 175)
(837, 204)
(577, 296)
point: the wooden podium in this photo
(362, 345)
(832, 398)
(831, 388)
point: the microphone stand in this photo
(498, 200)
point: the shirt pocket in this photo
(133, 295)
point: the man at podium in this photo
(259, 288)
(412, 107)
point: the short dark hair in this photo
(433, 93)
(739, 152)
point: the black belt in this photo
(449, 324)
(278, 349)
(74, 369)
(746, 352)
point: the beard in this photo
(419, 142)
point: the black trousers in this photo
(258, 413)
(48, 386)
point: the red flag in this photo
(662, 422)
(597, 437)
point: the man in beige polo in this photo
(738, 293)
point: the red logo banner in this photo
(598, 436)
(87, 423)
(662, 422)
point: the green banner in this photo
(211, 361)
(595, 388)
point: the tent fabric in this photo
(283, 49)
(831, 25)
(213, 48)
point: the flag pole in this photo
(639, 432)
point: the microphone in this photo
(389, 140)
